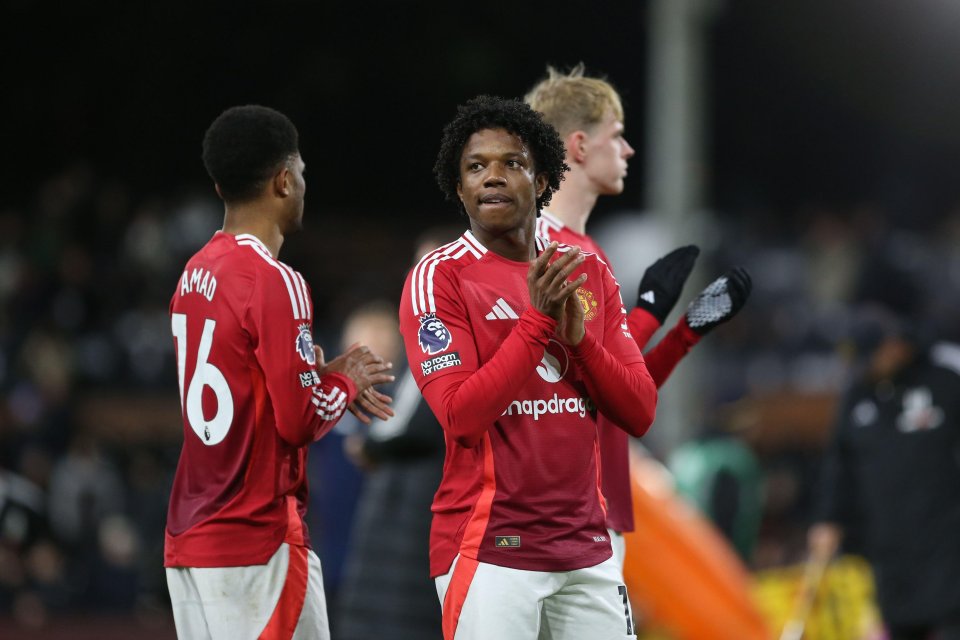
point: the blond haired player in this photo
(588, 114)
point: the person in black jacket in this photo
(387, 592)
(891, 477)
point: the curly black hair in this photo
(246, 145)
(491, 112)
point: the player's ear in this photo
(282, 184)
(219, 193)
(541, 181)
(576, 146)
(460, 191)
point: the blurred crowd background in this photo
(830, 143)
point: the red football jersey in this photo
(661, 360)
(552, 228)
(252, 400)
(520, 484)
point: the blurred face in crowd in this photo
(376, 329)
(891, 355)
(877, 342)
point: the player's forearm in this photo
(624, 394)
(663, 358)
(643, 325)
(468, 404)
(308, 416)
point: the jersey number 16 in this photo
(205, 374)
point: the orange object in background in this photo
(683, 577)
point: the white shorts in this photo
(280, 600)
(483, 601)
(619, 549)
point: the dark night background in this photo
(809, 100)
(832, 140)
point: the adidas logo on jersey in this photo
(648, 296)
(502, 311)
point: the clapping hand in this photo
(366, 369)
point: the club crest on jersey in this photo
(434, 336)
(304, 344)
(589, 303)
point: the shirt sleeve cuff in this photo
(689, 336)
(344, 382)
(587, 347)
(538, 321)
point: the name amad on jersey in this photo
(200, 281)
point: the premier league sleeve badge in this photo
(434, 337)
(304, 344)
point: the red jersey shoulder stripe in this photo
(306, 295)
(296, 288)
(542, 231)
(421, 281)
(563, 248)
(547, 223)
(471, 241)
(299, 288)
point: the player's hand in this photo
(571, 327)
(547, 282)
(721, 300)
(663, 281)
(371, 404)
(366, 369)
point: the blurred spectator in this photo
(87, 501)
(891, 479)
(721, 476)
(85, 489)
(337, 483)
(387, 590)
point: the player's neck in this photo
(517, 244)
(250, 219)
(573, 203)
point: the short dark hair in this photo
(246, 145)
(490, 112)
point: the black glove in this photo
(663, 281)
(720, 301)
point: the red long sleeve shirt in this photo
(252, 400)
(520, 486)
(661, 361)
